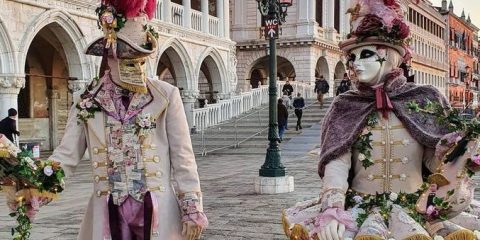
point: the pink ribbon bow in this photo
(383, 102)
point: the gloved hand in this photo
(191, 231)
(332, 231)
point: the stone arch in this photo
(181, 65)
(322, 69)
(7, 58)
(285, 69)
(69, 34)
(213, 60)
(339, 70)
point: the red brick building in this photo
(463, 58)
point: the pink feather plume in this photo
(132, 8)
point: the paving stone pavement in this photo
(233, 208)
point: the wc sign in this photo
(271, 28)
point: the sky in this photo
(470, 6)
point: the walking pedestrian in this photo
(282, 116)
(321, 88)
(299, 104)
(288, 88)
(345, 85)
(8, 126)
(288, 104)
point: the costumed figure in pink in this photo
(377, 155)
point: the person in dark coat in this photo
(345, 85)
(299, 104)
(8, 126)
(282, 116)
(288, 88)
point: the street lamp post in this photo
(274, 13)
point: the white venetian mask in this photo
(368, 64)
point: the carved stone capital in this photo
(12, 81)
(77, 85)
(189, 94)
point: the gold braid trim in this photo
(299, 232)
(4, 153)
(132, 88)
(368, 237)
(463, 234)
(285, 224)
(419, 237)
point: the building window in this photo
(337, 16)
(319, 13)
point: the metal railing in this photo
(228, 135)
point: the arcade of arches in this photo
(45, 100)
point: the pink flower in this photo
(82, 104)
(403, 28)
(368, 25)
(476, 159)
(390, 3)
(88, 104)
(432, 211)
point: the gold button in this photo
(159, 174)
(383, 127)
(390, 176)
(99, 193)
(153, 146)
(95, 150)
(384, 176)
(391, 160)
(95, 164)
(97, 179)
(384, 160)
(383, 142)
(156, 159)
(391, 142)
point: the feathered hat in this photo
(126, 33)
(378, 22)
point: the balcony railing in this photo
(197, 22)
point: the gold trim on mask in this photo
(132, 75)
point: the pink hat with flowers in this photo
(378, 22)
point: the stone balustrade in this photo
(224, 110)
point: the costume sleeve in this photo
(183, 162)
(73, 144)
(430, 160)
(181, 152)
(335, 182)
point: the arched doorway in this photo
(209, 82)
(45, 100)
(171, 69)
(339, 73)
(322, 69)
(259, 70)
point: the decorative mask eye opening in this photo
(130, 65)
(366, 54)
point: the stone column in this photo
(53, 96)
(167, 11)
(189, 97)
(331, 19)
(10, 86)
(305, 24)
(221, 15)
(204, 8)
(226, 20)
(187, 12)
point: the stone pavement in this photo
(233, 208)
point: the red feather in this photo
(132, 8)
